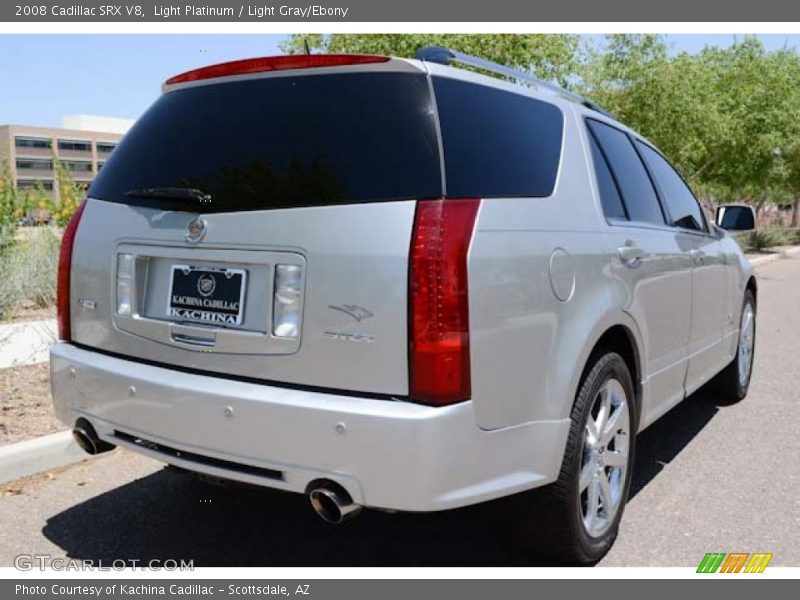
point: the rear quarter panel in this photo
(528, 344)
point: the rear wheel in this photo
(733, 382)
(576, 519)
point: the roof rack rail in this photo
(445, 56)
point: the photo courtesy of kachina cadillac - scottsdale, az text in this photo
(471, 300)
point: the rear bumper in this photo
(387, 454)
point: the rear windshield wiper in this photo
(171, 193)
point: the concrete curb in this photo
(39, 454)
(760, 260)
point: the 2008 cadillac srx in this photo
(396, 284)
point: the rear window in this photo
(497, 143)
(282, 142)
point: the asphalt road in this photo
(708, 478)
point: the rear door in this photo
(283, 254)
(709, 272)
(649, 260)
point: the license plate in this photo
(207, 295)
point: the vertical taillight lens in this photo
(438, 301)
(64, 268)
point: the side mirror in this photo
(736, 217)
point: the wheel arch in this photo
(621, 336)
(752, 285)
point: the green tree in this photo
(9, 205)
(70, 194)
(668, 100)
(793, 180)
(759, 93)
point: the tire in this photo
(553, 520)
(731, 384)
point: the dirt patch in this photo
(26, 409)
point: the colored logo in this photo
(734, 562)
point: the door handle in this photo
(698, 256)
(631, 256)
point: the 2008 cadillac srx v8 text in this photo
(396, 284)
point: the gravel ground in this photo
(26, 410)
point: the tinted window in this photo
(497, 143)
(634, 183)
(681, 204)
(43, 165)
(738, 218)
(75, 145)
(282, 142)
(78, 166)
(607, 187)
(31, 142)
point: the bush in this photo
(7, 235)
(28, 269)
(767, 238)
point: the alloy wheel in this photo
(604, 464)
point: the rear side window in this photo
(607, 187)
(681, 204)
(634, 183)
(280, 142)
(497, 143)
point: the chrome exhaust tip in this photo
(332, 503)
(86, 437)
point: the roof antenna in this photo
(305, 45)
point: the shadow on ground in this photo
(660, 443)
(170, 515)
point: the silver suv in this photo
(397, 284)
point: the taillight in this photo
(64, 268)
(438, 301)
(275, 63)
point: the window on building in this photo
(32, 184)
(29, 163)
(75, 145)
(79, 166)
(22, 141)
(105, 147)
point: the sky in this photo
(46, 77)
